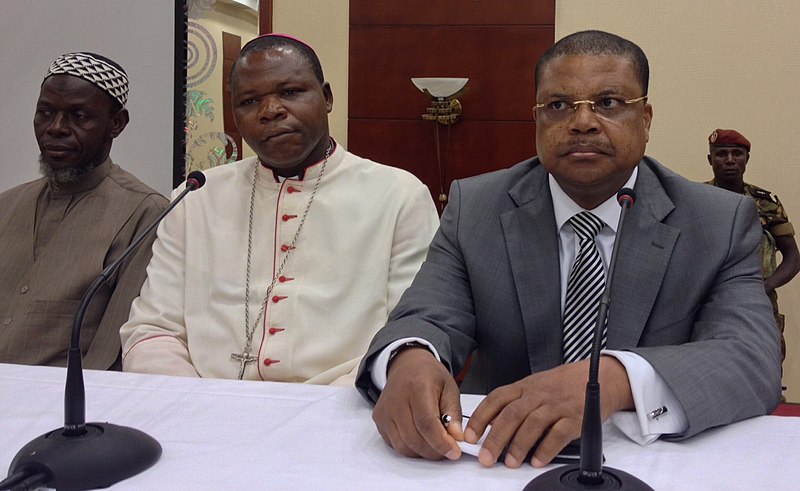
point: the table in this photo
(223, 434)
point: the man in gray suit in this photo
(691, 342)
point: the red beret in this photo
(728, 138)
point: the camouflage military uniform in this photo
(774, 223)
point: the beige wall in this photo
(712, 66)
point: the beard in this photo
(69, 175)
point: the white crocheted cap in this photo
(96, 69)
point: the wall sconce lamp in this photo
(445, 107)
(445, 110)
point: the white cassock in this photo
(364, 238)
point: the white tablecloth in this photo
(219, 434)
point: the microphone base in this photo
(105, 454)
(566, 477)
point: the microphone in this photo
(93, 455)
(590, 474)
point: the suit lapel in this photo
(533, 254)
(644, 254)
(532, 249)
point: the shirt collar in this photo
(312, 171)
(608, 211)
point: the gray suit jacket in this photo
(687, 292)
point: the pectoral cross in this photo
(244, 358)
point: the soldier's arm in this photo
(790, 262)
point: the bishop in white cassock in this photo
(283, 266)
(365, 236)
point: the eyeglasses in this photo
(610, 108)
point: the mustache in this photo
(584, 144)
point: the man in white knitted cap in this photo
(60, 231)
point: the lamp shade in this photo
(441, 87)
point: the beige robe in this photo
(54, 242)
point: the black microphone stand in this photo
(590, 473)
(93, 455)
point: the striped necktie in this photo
(584, 289)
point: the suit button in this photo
(24, 289)
(7, 321)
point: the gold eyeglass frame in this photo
(574, 105)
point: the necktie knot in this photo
(586, 225)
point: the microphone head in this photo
(626, 197)
(195, 180)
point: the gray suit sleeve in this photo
(730, 368)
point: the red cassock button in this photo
(268, 362)
(275, 330)
(286, 218)
(292, 189)
(278, 298)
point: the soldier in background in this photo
(728, 155)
